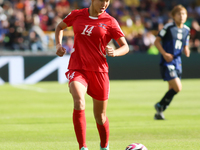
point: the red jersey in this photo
(91, 36)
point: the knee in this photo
(100, 118)
(178, 89)
(79, 104)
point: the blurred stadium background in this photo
(38, 116)
(27, 30)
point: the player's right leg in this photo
(175, 86)
(78, 91)
(78, 87)
(170, 74)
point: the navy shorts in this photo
(170, 72)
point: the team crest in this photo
(180, 36)
(180, 30)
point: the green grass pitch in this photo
(38, 117)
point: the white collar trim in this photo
(93, 17)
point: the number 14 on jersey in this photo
(88, 30)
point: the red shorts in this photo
(97, 83)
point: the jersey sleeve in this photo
(163, 32)
(70, 18)
(116, 31)
(187, 40)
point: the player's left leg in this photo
(98, 89)
(99, 109)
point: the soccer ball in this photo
(136, 146)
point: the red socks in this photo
(79, 121)
(104, 133)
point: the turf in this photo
(38, 117)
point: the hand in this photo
(60, 50)
(110, 51)
(168, 57)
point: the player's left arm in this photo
(186, 51)
(122, 50)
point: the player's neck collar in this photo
(91, 17)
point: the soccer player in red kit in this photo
(88, 68)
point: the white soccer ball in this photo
(136, 146)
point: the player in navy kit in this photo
(171, 41)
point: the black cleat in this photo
(159, 115)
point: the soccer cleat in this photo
(159, 115)
(83, 148)
(107, 148)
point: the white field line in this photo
(38, 89)
(30, 88)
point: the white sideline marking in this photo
(38, 89)
(30, 88)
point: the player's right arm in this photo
(58, 37)
(167, 56)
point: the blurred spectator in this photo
(68, 45)
(148, 39)
(63, 7)
(195, 37)
(35, 41)
(132, 3)
(3, 26)
(86, 3)
(37, 38)
(43, 18)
